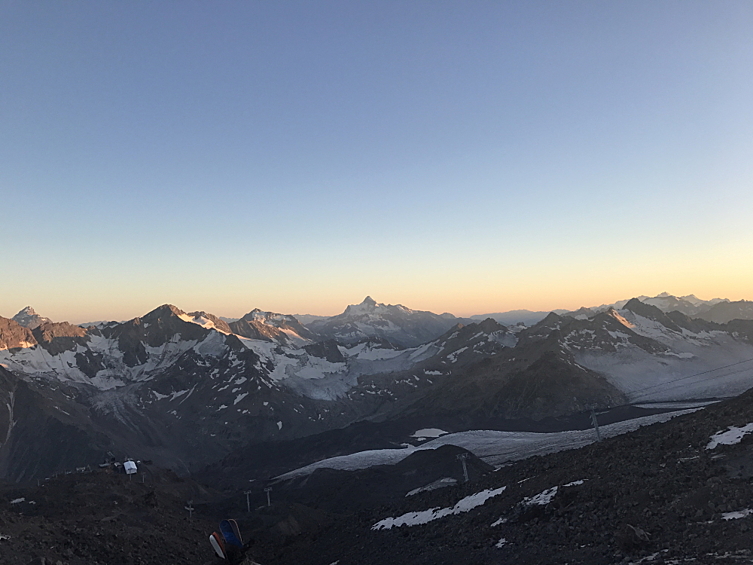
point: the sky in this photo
(295, 156)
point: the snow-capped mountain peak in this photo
(28, 318)
(371, 306)
(392, 322)
(271, 326)
(208, 321)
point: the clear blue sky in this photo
(296, 156)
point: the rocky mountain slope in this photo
(678, 492)
(97, 516)
(188, 389)
(268, 325)
(183, 390)
(664, 494)
(724, 312)
(395, 324)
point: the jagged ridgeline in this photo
(187, 390)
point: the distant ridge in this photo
(514, 317)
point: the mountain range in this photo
(189, 390)
(718, 310)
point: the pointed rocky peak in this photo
(490, 325)
(368, 305)
(255, 314)
(164, 311)
(28, 318)
(273, 319)
(613, 314)
(651, 313)
(552, 319)
(162, 323)
(581, 313)
(643, 309)
(546, 329)
(269, 318)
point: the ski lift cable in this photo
(668, 385)
(675, 383)
(686, 377)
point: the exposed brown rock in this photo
(13, 335)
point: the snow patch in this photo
(453, 357)
(541, 499)
(737, 514)
(731, 436)
(424, 516)
(441, 483)
(428, 432)
(499, 522)
(175, 395)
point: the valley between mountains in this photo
(346, 414)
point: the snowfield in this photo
(494, 447)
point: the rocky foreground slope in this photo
(663, 494)
(658, 495)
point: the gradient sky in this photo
(469, 157)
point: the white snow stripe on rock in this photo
(737, 514)
(429, 432)
(541, 499)
(424, 516)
